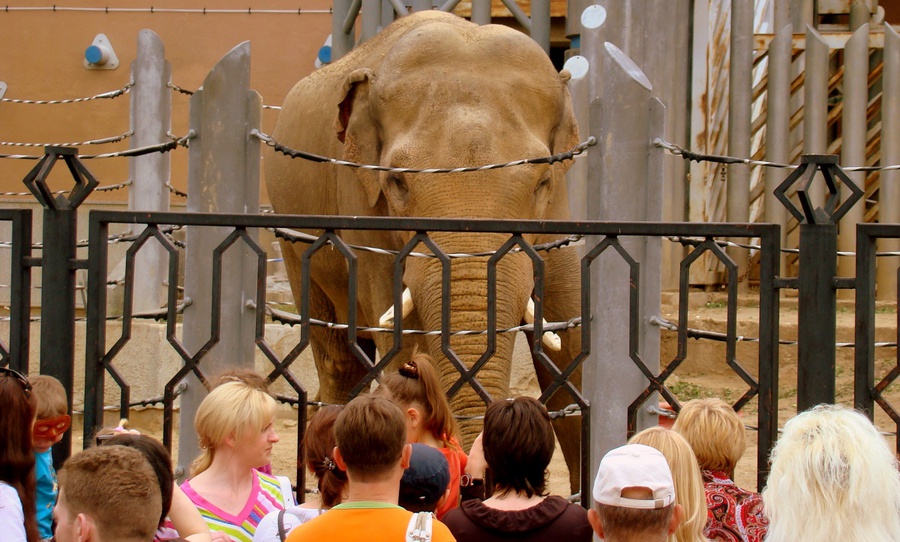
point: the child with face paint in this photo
(51, 422)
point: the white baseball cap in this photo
(634, 465)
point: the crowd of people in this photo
(388, 466)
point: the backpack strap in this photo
(419, 528)
(281, 534)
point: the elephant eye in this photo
(396, 184)
(544, 184)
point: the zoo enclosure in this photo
(246, 103)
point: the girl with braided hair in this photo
(416, 389)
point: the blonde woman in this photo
(718, 439)
(235, 425)
(686, 475)
(833, 477)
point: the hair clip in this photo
(410, 370)
(328, 463)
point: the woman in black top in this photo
(517, 446)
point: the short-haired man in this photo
(107, 494)
(370, 434)
(635, 496)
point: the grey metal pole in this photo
(815, 101)
(889, 199)
(223, 176)
(151, 120)
(782, 13)
(481, 11)
(778, 116)
(853, 140)
(341, 40)
(576, 177)
(540, 23)
(371, 19)
(421, 5)
(803, 13)
(859, 15)
(625, 118)
(740, 96)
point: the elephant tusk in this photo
(387, 319)
(550, 339)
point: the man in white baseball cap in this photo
(635, 496)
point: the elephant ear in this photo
(358, 130)
(565, 133)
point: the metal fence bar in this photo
(866, 391)
(95, 337)
(770, 268)
(16, 355)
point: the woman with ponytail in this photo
(331, 481)
(416, 389)
(18, 522)
(235, 425)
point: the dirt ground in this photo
(704, 373)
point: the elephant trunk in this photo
(469, 312)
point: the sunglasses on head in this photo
(26, 385)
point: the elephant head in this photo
(451, 97)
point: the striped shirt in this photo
(265, 497)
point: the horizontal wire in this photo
(111, 139)
(151, 9)
(103, 95)
(678, 150)
(293, 153)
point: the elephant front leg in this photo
(339, 370)
(568, 428)
(562, 302)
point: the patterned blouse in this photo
(264, 498)
(735, 514)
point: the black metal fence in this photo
(817, 301)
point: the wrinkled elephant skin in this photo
(432, 91)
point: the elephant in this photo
(433, 90)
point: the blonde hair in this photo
(689, 492)
(234, 408)
(833, 477)
(714, 431)
(51, 396)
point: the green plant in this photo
(716, 305)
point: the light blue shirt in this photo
(47, 490)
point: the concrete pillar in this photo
(151, 120)
(223, 176)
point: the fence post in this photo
(622, 104)
(58, 265)
(889, 201)
(223, 176)
(817, 281)
(151, 120)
